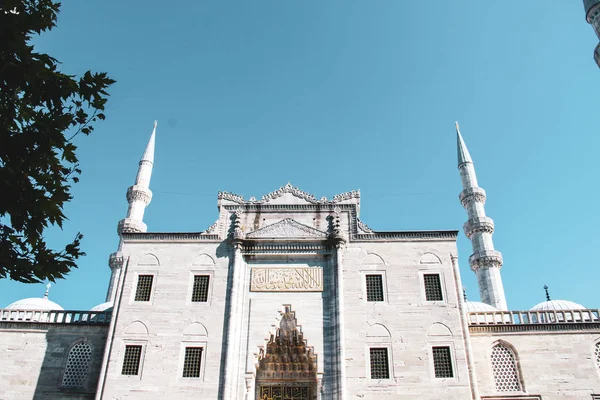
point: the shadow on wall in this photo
(71, 364)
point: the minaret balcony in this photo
(129, 225)
(478, 225)
(139, 193)
(597, 55)
(116, 260)
(470, 195)
(485, 259)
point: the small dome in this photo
(588, 4)
(551, 305)
(476, 306)
(34, 303)
(103, 307)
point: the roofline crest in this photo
(295, 191)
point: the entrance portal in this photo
(287, 370)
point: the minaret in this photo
(592, 16)
(485, 261)
(138, 197)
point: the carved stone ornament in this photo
(301, 194)
(116, 260)
(478, 225)
(287, 228)
(307, 279)
(139, 193)
(362, 227)
(485, 259)
(469, 195)
(212, 229)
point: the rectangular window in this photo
(433, 287)
(374, 287)
(379, 363)
(442, 362)
(200, 289)
(144, 288)
(131, 360)
(191, 362)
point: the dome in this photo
(34, 303)
(477, 306)
(551, 305)
(588, 4)
(103, 307)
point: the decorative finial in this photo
(457, 127)
(547, 294)
(465, 294)
(47, 290)
(155, 123)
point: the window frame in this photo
(124, 344)
(390, 359)
(384, 288)
(190, 290)
(450, 345)
(515, 355)
(440, 273)
(86, 380)
(152, 288)
(182, 347)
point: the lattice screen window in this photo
(597, 354)
(144, 287)
(433, 287)
(191, 362)
(131, 360)
(504, 367)
(374, 287)
(442, 362)
(379, 363)
(78, 365)
(200, 289)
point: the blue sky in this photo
(340, 95)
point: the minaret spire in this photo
(485, 260)
(138, 197)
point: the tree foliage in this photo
(41, 111)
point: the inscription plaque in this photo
(286, 279)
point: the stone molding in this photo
(534, 329)
(270, 248)
(362, 227)
(478, 225)
(169, 236)
(470, 195)
(139, 193)
(296, 192)
(116, 260)
(129, 225)
(287, 229)
(485, 259)
(213, 229)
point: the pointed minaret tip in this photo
(463, 153)
(149, 152)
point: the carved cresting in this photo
(307, 279)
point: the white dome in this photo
(477, 306)
(103, 307)
(34, 303)
(557, 305)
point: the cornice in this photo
(296, 192)
(170, 237)
(536, 328)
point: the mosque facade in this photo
(290, 296)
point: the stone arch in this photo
(506, 369)
(439, 329)
(429, 258)
(195, 329)
(373, 259)
(137, 328)
(203, 259)
(378, 331)
(149, 259)
(77, 364)
(287, 366)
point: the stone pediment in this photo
(289, 194)
(287, 228)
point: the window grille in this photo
(374, 287)
(144, 288)
(433, 287)
(504, 368)
(597, 354)
(442, 362)
(191, 362)
(379, 363)
(131, 360)
(200, 289)
(78, 365)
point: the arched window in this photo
(504, 367)
(78, 365)
(597, 354)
